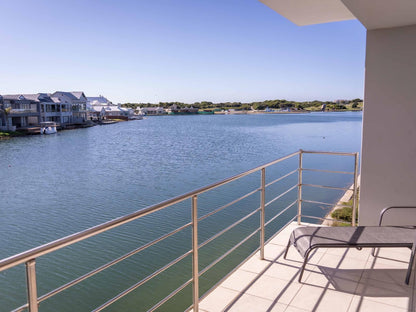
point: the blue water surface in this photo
(52, 186)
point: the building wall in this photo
(388, 167)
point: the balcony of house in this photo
(226, 253)
(335, 279)
(27, 110)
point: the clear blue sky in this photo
(176, 50)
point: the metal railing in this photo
(17, 111)
(29, 257)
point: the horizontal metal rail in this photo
(228, 228)
(323, 219)
(327, 187)
(228, 252)
(281, 229)
(323, 203)
(281, 178)
(281, 212)
(171, 295)
(329, 153)
(327, 171)
(138, 284)
(281, 195)
(313, 217)
(228, 205)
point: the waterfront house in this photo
(150, 110)
(52, 109)
(126, 111)
(97, 100)
(112, 111)
(96, 106)
(101, 107)
(77, 102)
(174, 109)
(96, 112)
(20, 111)
(2, 115)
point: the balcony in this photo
(349, 280)
(23, 111)
(335, 280)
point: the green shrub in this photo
(344, 214)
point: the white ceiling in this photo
(373, 14)
(306, 12)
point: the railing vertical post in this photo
(195, 268)
(262, 211)
(300, 187)
(32, 294)
(355, 195)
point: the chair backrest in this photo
(395, 209)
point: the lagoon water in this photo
(56, 185)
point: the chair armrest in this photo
(390, 208)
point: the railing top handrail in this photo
(79, 236)
(330, 153)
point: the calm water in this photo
(53, 186)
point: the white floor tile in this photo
(239, 280)
(314, 298)
(274, 289)
(218, 299)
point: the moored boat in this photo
(48, 127)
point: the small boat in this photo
(48, 127)
(136, 117)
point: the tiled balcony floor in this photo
(342, 280)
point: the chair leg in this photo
(287, 249)
(410, 267)
(303, 266)
(373, 252)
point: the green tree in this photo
(5, 111)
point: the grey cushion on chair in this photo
(310, 237)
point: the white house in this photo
(77, 102)
(19, 111)
(97, 101)
(151, 111)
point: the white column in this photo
(388, 169)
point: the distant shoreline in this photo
(6, 135)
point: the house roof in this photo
(32, 97)
(99, 99)
(73, 95)
(78, 94)
(37, 97)
(64, 93)
(111, 108)
(55, 99)
(97, 108)
(12, 96)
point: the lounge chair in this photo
(306, 239)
